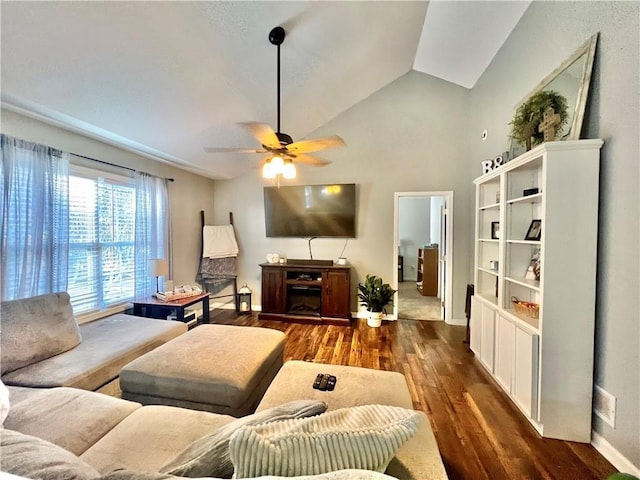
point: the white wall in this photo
(414, 231)
(405, 137)
(547, 34)
(188, 194)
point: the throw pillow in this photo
(209, 455)
(36, 328)
(364, 437)
(4, 403)
(339, 475)
(32, 457)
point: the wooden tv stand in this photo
(306, 293)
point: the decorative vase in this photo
(374, 319)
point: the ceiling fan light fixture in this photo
(289, 170)
(268, 171)
(277, 163)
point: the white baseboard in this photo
(614, 456)
(462, 322)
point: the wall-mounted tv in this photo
(311, 210)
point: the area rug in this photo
(413, 306)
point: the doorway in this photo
(423, 255)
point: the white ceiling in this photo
(165, 79)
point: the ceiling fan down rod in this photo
(276, 37)
(278, 89)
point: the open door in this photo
(405, 249)
(442, 283)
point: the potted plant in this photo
(375, 296)
(524, 126)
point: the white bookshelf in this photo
(544, 363)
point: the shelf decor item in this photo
(527, 309)
(533, 271)
(375, 296)
(548, 124)
(495, 230)
(571, 81)
(529, 116)
(535, 230)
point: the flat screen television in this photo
(311, 210)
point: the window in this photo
(102, 211)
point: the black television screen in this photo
(311, 210)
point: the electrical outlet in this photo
(604, 405)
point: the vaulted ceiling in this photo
(165, 79)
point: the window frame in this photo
(123, 180)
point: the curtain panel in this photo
(152, 229)
(34, 229)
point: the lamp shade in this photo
(158, 267)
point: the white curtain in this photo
(34, 233)
(152, 229)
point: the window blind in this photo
(102, 211)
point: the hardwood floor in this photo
(480, 433)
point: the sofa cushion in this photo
(36, 328)
(363, 437)
(68, 417)
(150, 437)
(4, 403)
(209, 456)
(33, 457)
(107, 345)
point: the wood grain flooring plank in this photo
(480, 433)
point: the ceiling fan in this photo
(282, 150)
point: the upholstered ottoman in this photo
(216, 368)
(417, 459)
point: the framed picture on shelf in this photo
(535, 230)
(533, 271)
(495, 230)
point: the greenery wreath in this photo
(524, 126)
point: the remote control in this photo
(331, 382)
(316, 383)
(323, 383)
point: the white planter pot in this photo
(374, 319)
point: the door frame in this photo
(448, 274)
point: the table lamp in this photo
(158, 267)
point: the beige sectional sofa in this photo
(113, 437)
(43, 346)
(110, 434)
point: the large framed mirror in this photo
(571, 80)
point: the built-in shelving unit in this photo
(541, 356)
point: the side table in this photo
(144, 307)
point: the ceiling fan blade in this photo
(310, 160)
(315, 145)
(263, 133)
(234, 150)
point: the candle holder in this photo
(243, 303)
